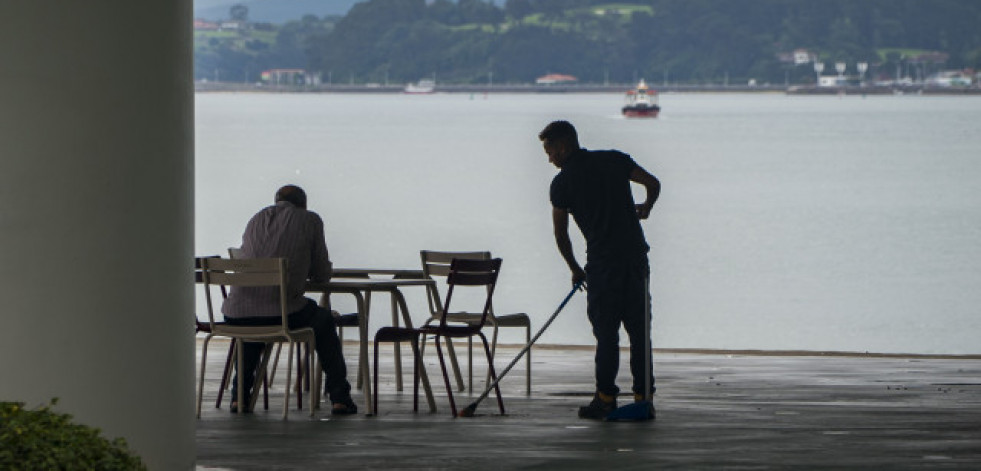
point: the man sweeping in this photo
(594, 186)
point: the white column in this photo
(96, 217)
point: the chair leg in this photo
(306, 357)
(265, 389)
(299, 376)
(289, 373)
(275, 362)
(374, 384)
(446, 376)
(454, 364)
(396, 346)
(367, 311)
(490, 367)
(225, 375)
(493, 351)
(360, 383)
(417, 357)
(240, 377)
(528, 361)
(260, 380)
(313, 365)
(204, 361)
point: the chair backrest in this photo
(246, 273)
(236, 252)
(437, 264)
(471, 272)
(200, 326)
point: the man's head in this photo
(559, 139)
(292, 194)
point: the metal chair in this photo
(269, 374)
(436, 264)
(205, 327)
(258, 272)
(460, 273)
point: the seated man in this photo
(288, 230)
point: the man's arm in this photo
(560, 227)
(653, 187)
(320, 266)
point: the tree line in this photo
(676, 41)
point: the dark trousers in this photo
(618, 295)
(328, 349)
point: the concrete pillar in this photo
(96, 217)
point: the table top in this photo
(366, 272)
(356, 279)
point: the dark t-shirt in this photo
(595, 187)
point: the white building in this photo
(950, 78)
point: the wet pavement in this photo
(714, 410)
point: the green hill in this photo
(681, 41)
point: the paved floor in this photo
(713, 411)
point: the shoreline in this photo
(771, 353)
(228, 87)
(740, 352)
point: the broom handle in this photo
(647, 339)
(532, 342)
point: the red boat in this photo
(641, 102)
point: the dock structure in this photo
(714, 410)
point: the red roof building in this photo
(555, 78)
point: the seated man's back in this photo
(286, 230)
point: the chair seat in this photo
(271, 333)
(346, 320)
(505, 320)
(451, 330)
(204, 326)
(396, 334)
(511, 320)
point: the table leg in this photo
(422, 370)
(397, 347)
(364, 304)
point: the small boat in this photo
(421, 87)
(641, 102)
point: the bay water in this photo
(785, 223)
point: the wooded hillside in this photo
(680, 41)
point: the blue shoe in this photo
(637, 411)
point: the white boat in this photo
(422, 86)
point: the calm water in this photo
(815, 223)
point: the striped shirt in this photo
(281, 230)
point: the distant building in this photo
(830, 81)
(205, 25)
(951, 78)
(798, 57)
(802, 56)
(552, 79)
(611, 11)
(287, 77)
(930, 57)
(231, 25)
